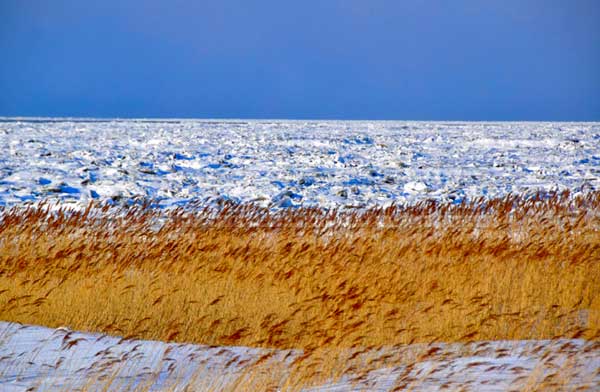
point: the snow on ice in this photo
(290, 163)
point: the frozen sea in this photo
(290, 163)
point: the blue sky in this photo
(341, 59)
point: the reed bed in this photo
(307, 278)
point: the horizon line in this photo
(226, 119)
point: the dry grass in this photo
(511, 268)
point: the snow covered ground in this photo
(60, 360)
(289, 163)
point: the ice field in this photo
(290, 163)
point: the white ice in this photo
(290, 163)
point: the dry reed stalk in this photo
(511, 268)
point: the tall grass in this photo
(511, 268)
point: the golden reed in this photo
(510, 268)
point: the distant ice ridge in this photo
(290, 163)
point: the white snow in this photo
(290, 163)
(60, 360)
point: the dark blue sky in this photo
(355, 59)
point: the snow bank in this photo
(61, 360)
